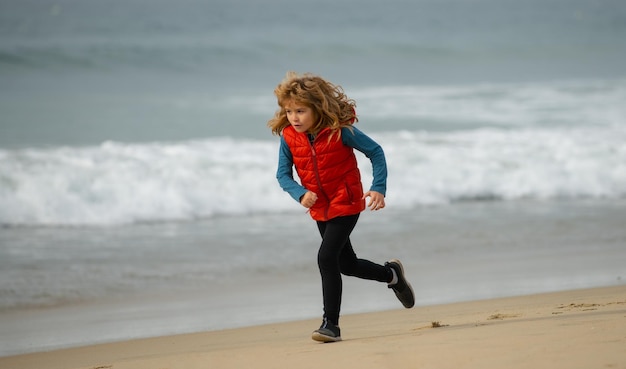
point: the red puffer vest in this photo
(329, 169)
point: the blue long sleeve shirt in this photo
(353, 138)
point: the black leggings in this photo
(336, 257)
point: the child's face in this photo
(301, 117)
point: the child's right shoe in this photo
(328, 332)
(402, 289)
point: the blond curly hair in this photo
(331, 106)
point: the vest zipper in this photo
(319, 181)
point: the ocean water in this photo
(137, 187)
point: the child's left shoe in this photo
(402, 289)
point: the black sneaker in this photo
(328, 332)
(402, 289)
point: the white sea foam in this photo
(118, 183)
(507, 164)
(124, 183)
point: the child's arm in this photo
(373, 151)
(284, 173)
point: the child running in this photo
(317, 136)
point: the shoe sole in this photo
(405, 281)
(324, 338)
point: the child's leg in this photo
(335, 234)
(392, 273)
(361, 268)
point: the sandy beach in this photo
(570, 329)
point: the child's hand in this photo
(308, 199)
(377, 200)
